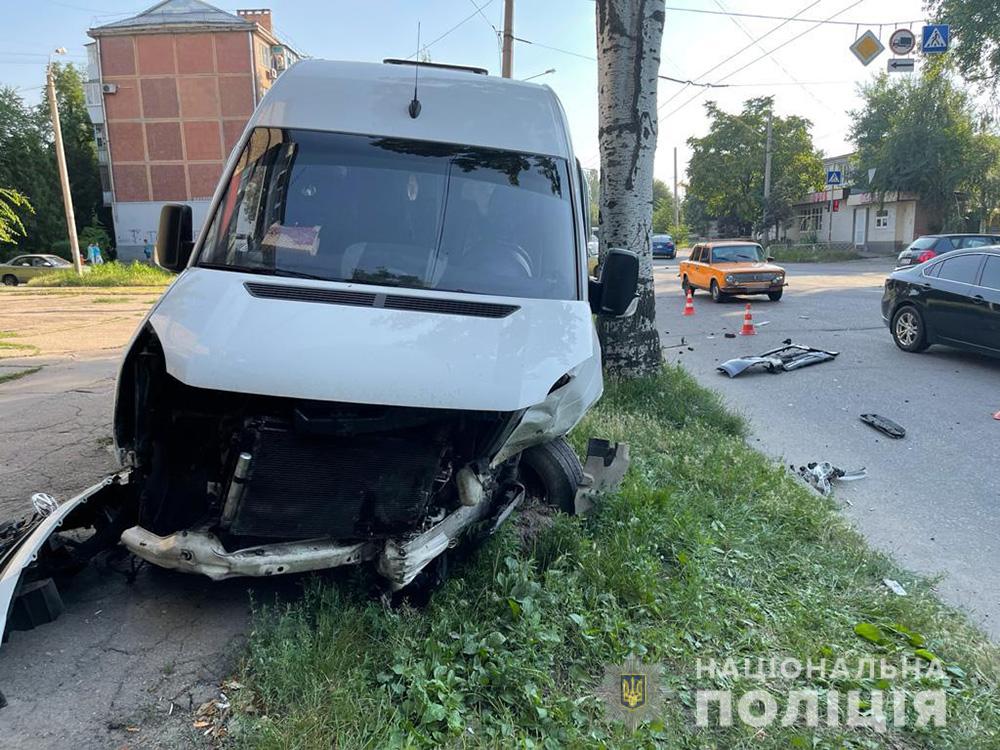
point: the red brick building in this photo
(170, 92)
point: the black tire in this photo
(908, 329)
(686, 286)
(10, 280)
(552, 473)
(775, 296)
(717, 295)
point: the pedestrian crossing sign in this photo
(833, 177)
(935, 39)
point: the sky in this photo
(811, 73)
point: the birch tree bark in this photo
(629, 33)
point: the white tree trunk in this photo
(629, 33)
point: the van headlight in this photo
(730, 279)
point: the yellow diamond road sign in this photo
(867, 47)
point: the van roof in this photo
(456, 106)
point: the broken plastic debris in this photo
(782, 359)
(894, 587)
(821, 475)
(733, 335)
(997, 415)
(883, 425)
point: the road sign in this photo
(936, 38)
(867, 47)
(901, 65)
(902, 42)
(833, 177)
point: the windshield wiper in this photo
(300, 275)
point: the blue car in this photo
(663, 246)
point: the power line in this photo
(796, 18)
(758, 59)
(464, 21)
(775, 60)
(740, 51)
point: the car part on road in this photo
(883, 425)
(782, 359)
(996, 415)
(731, 335)
(821, 475)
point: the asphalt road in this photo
(930, 499)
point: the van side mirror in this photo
(614, 293)
(173, 241)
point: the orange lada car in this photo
(726, 267)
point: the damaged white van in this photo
(377, 341)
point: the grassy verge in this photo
(11, 348)
(709, 551)
(6, 378)
(811, 254)
(107, 274)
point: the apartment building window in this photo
(882, 219)
(811, 219)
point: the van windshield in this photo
(397, 212)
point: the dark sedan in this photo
(663, 246)
(952, 300)
(931, 245)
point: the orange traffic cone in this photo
(689, 305)
(748, 329)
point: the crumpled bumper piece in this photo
(782, 359)
(199, 551)
(22, 550)
(402, 559)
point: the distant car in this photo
(932, 245)
(727, 267)
(593, 253)
(663, 246)
(25, 267)
(952, 300)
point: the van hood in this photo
(218, 335)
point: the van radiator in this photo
(348, 487)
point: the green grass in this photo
(811, 254)
(710, 550)
(29, 350)
(107, 274)
(109, 300)
(18, 375)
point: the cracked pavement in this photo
(127, 663)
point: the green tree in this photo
(918, 133)
(975, 33)
(983, 182)
(11, 225)
(726, 171)
(27, 167)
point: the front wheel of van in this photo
(552, 473)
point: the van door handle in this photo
(978, 299)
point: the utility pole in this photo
(507, 64)
(677, 200)
(767, 176)
(74, 244)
